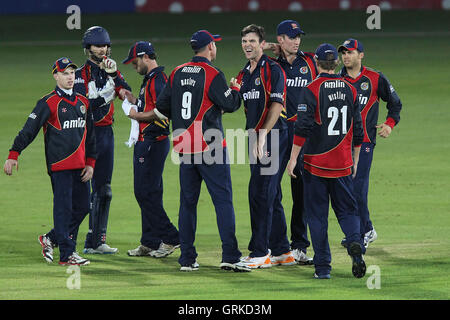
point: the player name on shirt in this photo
(297, 82)
(334, 84)
(188, 82)
(337, 95)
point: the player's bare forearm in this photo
(272, 116)
(148, 116)
(356, 151)
(293, 160)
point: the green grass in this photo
(409, 191)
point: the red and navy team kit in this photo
(150, 153)
(194, 99)
(371, 86)
(69, 140)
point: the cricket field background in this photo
(409, 195)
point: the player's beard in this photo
(95, 58)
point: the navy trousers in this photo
(299, 232)
(361, 183)
(70, 206)
(218, 181)
(268, 221)
(104, 137)
(317, 194)
(148, 164)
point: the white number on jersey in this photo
(333, 113)
(186, 105)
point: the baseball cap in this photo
(291, 28)
(326, 52)
(351, 44)
(203, 37)
(62, 64)
(139, 49)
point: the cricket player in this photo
(371, 85)
(328, 127)
(159, 236)
(300, 70)
(66, 119)
(194, 99)
(264, 93)
(100, 81)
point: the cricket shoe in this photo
(101, 249)
(257, 262)
(301, 257)
(358, 264)
(75, 260)
(322, 276)
(236, 267)
(164, 250)
(190, 267)
(47, 247)
(286, 259)
(140, 251)
(370, 237)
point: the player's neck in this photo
(354, 71)
(254, 62)
(290, 57)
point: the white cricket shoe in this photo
(164, 250)
(47, 247)
(191, 267)
(140, 251)
(258, 262)
(101, 249)
(236, 267)
(286, 259)
(369, 237)
(75, 260)
(301, 257)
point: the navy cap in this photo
(202, 38)
(326, 52)
(351, 44)
(291, 28)
(138, 50)
(62, 64)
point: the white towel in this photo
(134, 130)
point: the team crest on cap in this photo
(83, 109)
(346, 42)
(258, 81)
(304, 70)
(364, 85)
(294, 25)
(65, 60)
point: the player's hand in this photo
(235, 83)
(87, 173)
(9, 165)
(129, 96)
(132, 114)
(274, 47)
(384, 131)
(109, 65)
(108, 92)
(258, 147)
(290, 168)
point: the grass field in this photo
(409, 193)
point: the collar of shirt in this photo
(153, 72)
(344, 72)
(200, 59)
(261, 61)
(282, 59)
(68, 94)
(329, 75)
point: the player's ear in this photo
(361, 55)
(280, 38)
(55, 76)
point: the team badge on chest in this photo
(304, 70)
(258, 81)
(82, 109)
(364, 86)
